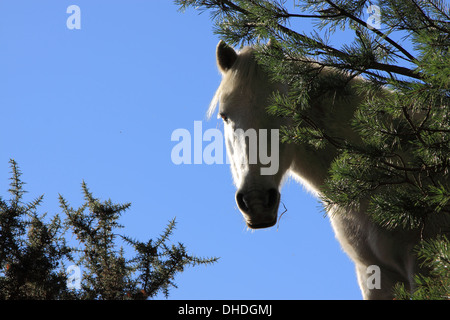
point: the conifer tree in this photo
(30, 249)
(34, 252)
(402, 163)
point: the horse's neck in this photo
(310, 165)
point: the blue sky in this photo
(100, 104)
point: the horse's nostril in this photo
(268, 199)
(241, 203)
(273, 197)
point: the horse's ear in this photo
(225, 55)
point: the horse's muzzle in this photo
(259, 207)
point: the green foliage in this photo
(399, 166)
(30, 250)
(34, 252)
(435, 255)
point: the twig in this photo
(285, 210)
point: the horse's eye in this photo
(224, 117)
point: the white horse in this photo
(243, 98)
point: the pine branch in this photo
(374, 30)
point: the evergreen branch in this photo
(376, 31)
(16, 185)
(340, 54)
(441, 11)
(227, 6)
(166, 234)
(424, 15)
(294, 15)
(395, 69)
